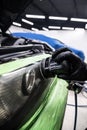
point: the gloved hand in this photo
(65, 64)
(77, 68)
(50, 68)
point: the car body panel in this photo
(42, 108)
(49, 115)
(19, 63)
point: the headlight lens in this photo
(29, 81)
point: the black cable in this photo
(75, 85)
(75, 120)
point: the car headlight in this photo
(16, 89)
(28, 82)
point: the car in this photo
(53, 43)
(28, 100)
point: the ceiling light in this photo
(46, 29)
(35, 16)
(86, 26)
(28, 22)
(68, 28)
(17, 24)
(79, 28)
(78, 20)
(34, 29)
(58, 18)
(54, 27)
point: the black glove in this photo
(77, 68)
(50, 67)
(65, 64)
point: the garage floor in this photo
(68, 123)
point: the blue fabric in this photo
(52, 42)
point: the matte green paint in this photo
(13, 65)
(49, 115)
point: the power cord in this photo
(75, 119)
(77, 88)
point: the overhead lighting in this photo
(79, 28)
(68, 28)
(17, 24)
(28, 22)
(46, 29)
(86, 26)
(35, 16)
(58, 18)
(54, 27)
(78, 20)
(34, 29)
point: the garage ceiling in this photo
(59, 8)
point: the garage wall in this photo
(74, 38)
